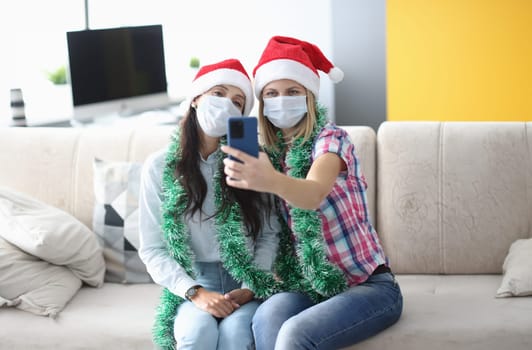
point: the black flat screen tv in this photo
(116, 71)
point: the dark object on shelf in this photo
(18, 114)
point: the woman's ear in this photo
(194, 103)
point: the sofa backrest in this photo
(453, 196)
(55, 164)
(364, 138)
(445, 197)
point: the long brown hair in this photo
(253, 205)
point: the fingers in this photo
(232, 167)
(234, 174)
(232, 295)
(239, 296)
(215, 303)
(221, 307)
(233, 298)
(233, 182)
(243, 156)
(250, 174)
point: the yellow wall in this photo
(459, 60)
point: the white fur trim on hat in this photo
(286, 69)
(224, 76)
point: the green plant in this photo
(194, 62)
(58, 76)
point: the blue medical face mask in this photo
(285, 111)
(213, 113)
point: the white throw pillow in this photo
(31, 284)
(52, 235)
(517, 270)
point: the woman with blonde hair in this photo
(338, 286)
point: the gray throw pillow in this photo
(115, 220)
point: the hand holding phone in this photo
(242, 134)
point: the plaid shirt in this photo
(351, 241)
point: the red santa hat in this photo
(290, 58)
(230, 72)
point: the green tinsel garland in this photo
(234, 254)
(305, 269)
(314, 274)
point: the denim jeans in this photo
(291, 321)
(197, 329)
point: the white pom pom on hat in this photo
(336, 75)
(294, 59)
(230, 72)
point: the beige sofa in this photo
(448, 201)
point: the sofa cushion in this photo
(115, 221)
(51, 234)
(114, 317)
(517, 268)
(443, 312)
(32, 284)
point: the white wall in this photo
(33, 40)
(210, 30)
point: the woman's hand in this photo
(251, 173)
(240, 296)
(214, 303)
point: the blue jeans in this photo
(292, 321)
(197, 329)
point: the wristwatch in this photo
(191, 292)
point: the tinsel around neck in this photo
(234, 254)
(309, 270)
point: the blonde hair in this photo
(268, 131)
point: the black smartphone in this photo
(242, 134)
